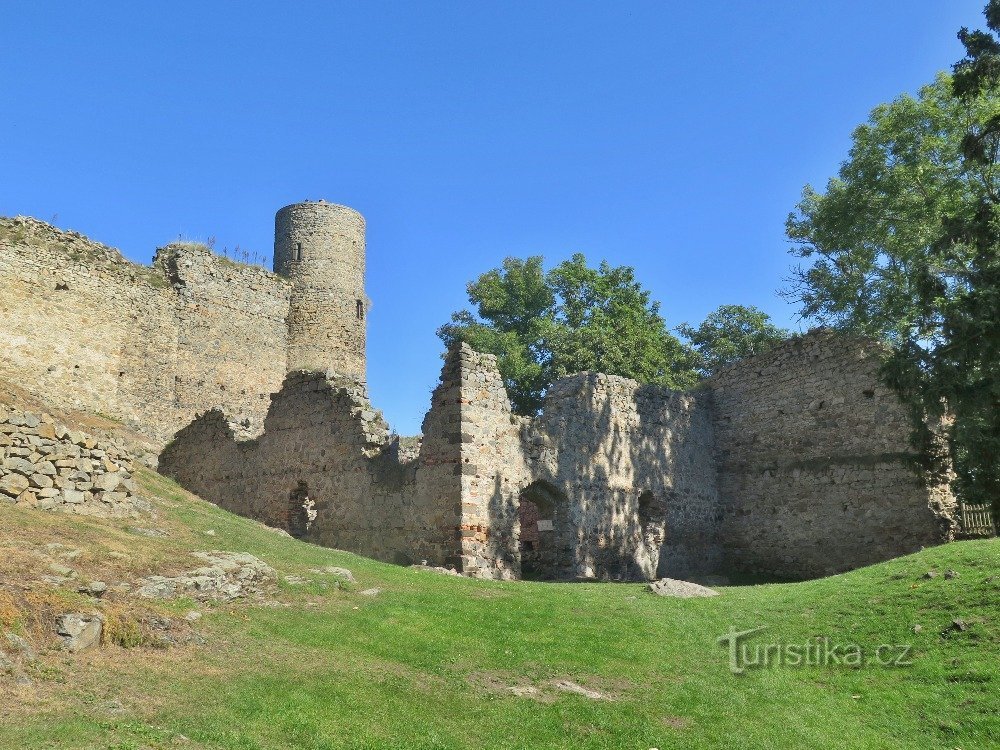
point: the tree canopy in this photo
(905, 245)
(731, 333)
(544, 325)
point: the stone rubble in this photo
(228, 576)
(679, 589)
(80, 631)
(47, 466)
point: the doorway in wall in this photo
(301, 511)
(543, 542)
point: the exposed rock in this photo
(95, 588)
(340, 573)
(228, 576)
(437, 569)
(679, 589)
(375, 591)
(950, 574)
(567, 686)
(80, 632)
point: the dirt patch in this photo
(543, 691)
(677, 722)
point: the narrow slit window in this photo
(361, 310)
(298, 251)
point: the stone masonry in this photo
(794, 463)
(47, 466)
(816, 472)
(617, 480)
(84, 328)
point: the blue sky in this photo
(672, 137)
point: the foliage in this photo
(873, 230)
(731, 333)
(542, 326)
(905, 246)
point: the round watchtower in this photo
(320, 247)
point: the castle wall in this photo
(601, 445)
(231, 333)
(627, 471)
(325, 448)
(84, 328)
(816, 469)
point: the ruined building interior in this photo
(794, 463)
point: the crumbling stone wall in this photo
(816, 472)
(322, 438)
(601, 443)
(84, 328)
(47, 466)
(795, 463)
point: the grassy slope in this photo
(426, 662)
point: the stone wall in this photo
(816, 472)
(47, 466)
(83, 328)
(320, 248)
(327, 469)
(794, 463)
(602, 444)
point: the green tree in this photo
(905, 245)
(868, 236)
(574, 318)
(731, 333)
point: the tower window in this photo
(298, 251)
(361, 310)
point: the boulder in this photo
(80, 632)
(679, 589)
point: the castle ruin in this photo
(794, 463)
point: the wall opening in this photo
(301, 511)
(361, 309)
(649, 538)
(543, 543)
(298, 251)
(652, 519)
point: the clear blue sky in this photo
(673, 137)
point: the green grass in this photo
(427, 662)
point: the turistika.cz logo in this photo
(815, 652)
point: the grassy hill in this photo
(432, 661)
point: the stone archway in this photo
(301, 511)
(543, 541)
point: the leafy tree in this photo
(543, 326)
(905, 245)
(867, 237)
(731, 333)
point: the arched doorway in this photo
(543, 542)
(301, 511)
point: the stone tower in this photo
(320, 247)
